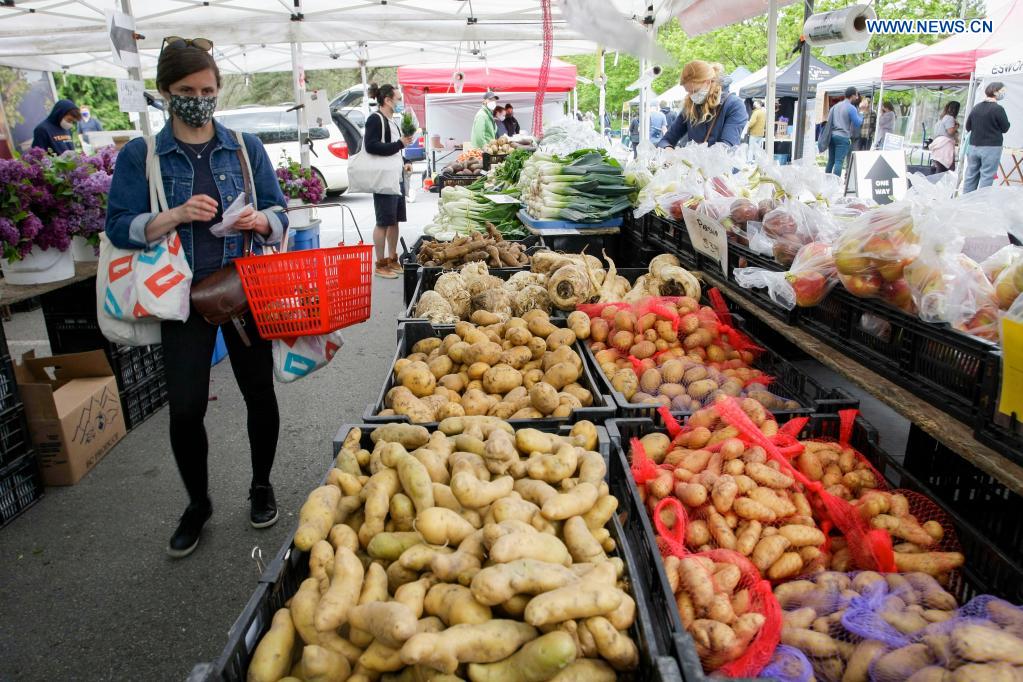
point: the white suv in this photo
(277, 127)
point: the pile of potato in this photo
(715, 607)
(683, 369)
(736, 497)
(909, 605)
(524, 368)
(471, 552)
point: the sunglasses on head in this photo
(177, 43)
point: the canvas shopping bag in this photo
(301, 356)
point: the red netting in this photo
(838, 466)
(869, 548)
(738, 340)
(545, 69)
(724, 603)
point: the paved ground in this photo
(86, 590)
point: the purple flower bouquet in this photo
(300, 183)
(46, 200)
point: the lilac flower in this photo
(299, 183)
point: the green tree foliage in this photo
(99, 93)
(276, 88)
(745, 44)
(12, 88)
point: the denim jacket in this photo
(128, 209)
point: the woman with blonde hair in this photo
(710, 114)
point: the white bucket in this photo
(300, 218)
(40, 267)
(82, 251)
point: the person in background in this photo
(943, 144)
(201, 167)
(710, 114)
(658, 124)
(511, 123)
(383, 138)
(867, 127)
(986, 123)
(484, 127)
(757, 126)
(843, 120)
(669, 114)
(634, 133)
(54, 133)
(886, 123)
(89, 123)
(500, 129)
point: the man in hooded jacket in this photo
(54, 133)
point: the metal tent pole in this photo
(971, 92)
(772, 60)
(877, 121)
(804, 77)
(298, 84)
(644, 118)
(602, 105)
(136, 75)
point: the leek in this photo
(584, 187)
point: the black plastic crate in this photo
(671, 236)
(492, 159)
(988, 569)
(143, 400)
(411, 267)
(941, 365)
(411, 333)
(788, 382)
(21, 486)
(9, 395)
(15, 439)
(74, 298)
(290, 566)
(1000, 432)
(75, 333)
(134, 365)
(979, 497)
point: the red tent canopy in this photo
(955, 57)
(500, 77)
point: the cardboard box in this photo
(73, 410)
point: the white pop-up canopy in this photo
(865, 75)
(1005, 67)
(252, 36)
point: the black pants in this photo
(188, 350)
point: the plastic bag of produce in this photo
(1005, 271)
(808, 280)
(724, 603)
(869, 548)
(793, 224)
(873, 252)
(953, 288)
(788, 664)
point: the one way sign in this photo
(121, 31)
(880, 176)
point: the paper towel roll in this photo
(840, 26)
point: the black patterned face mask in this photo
(194, 111)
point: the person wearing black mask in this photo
(511, 123)
(987, 123)
(54, 133)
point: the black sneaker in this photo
(263, 512)
(186, 537)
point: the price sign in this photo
(131, 95)
(1012, 368)
(709, 237)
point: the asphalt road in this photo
(87, 591)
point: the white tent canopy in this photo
(865, 75)
(254, 35)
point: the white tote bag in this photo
(139, 288)
(372, 173)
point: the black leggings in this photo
(188, 350)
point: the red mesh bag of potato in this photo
(723, 602)
(869, 548)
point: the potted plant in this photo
(46, 201)
(302, 187)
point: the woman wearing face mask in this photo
(484, 126)
(500, 129)
(54, 133)
(201, 168)
(987, 123)
(710, 114)
(383, 138)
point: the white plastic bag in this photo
(225, 228)
(299, 357)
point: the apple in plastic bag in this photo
(898, 294)
(780, 223)
(809, 286)
(866, 285)
(742, 211)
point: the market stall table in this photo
(954, 434)
(16, 293)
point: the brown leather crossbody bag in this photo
(220, 298)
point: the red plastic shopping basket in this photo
(307, 293)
